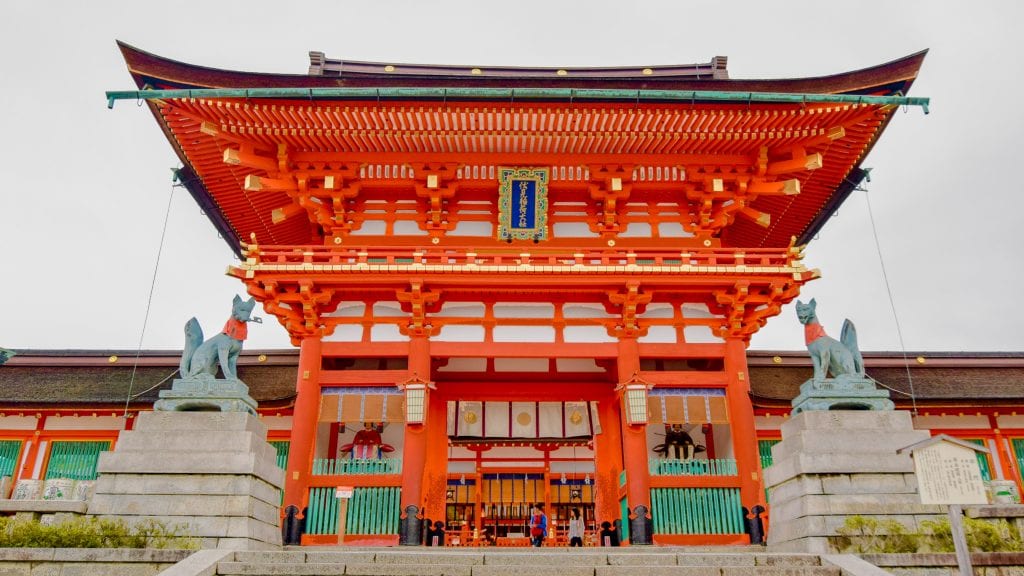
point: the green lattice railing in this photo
(693, 467)
(764, 449)
(370, 511)
(336, 467)
(282, 447)
(75, 460)
(696, 511)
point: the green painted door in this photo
(624, 505)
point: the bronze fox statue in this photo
(203, 357)
(838, 357)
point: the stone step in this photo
(398, 569)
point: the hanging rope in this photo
(149, 301)
(892, 302)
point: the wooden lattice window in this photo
(9, 450)
(75, 460)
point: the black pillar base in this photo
(291, 527)
(641, 527)
(410, 527)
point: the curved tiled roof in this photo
(40, 379)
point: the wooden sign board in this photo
(344, 492)
(948, 473)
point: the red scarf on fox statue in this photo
(236, 329)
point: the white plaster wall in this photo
(584, 310)
(523, 310)
(387, 333)
(637, 230)
(672, 230)
(659, 334)
(89, 422)
(700, 335)
(954, 421)
(464, 365)
(768, 422)
(18, 423)
(524, 334)
(577, 365)
(370, 227)
(349, 310)
(572, 230)
(520, 364)
(391, 308)
(408, 228)
(658, 310)
(460, 333)
(461, 309)
(345, 333)
(1004, 421)
(277, 422)
(591, 334)
(471, 228)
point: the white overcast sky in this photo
(83, 189)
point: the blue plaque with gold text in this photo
(523, 203)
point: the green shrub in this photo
(862, 534)
(84, 532)
(982, 536)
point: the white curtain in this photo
(524, 419)
(496, 423)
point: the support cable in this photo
(152, 286)
(892, 302)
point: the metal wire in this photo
(149, 301)
(892, 303)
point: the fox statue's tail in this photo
(849, 339)
(193, 338)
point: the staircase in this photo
(660, 561)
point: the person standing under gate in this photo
(538, 525)
(575, 528)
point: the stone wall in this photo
(88, 561)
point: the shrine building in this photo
(515, 285)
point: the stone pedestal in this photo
(205, 392)
(211, 471)
(846, 392)
(834, 464)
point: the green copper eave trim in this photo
(513, 94)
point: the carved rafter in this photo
(629, 304)
(747, 309)
(436, 184)
(418, 302)
(610, 186)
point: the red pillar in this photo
(607, 461)
(634, 443)
(414, 450)
(304, 420)
(741, 418)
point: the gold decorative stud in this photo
(476, 71)
(647, 71)
(777, 359)
(561, 72)
(920, 360)
(389, 68)
(262, 358)
(611, 242)
(112, 359)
